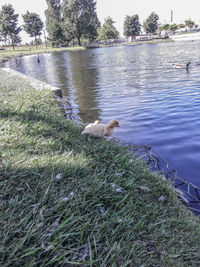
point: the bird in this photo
(179, 66)
(38, 59)
(98, 129)
(94, 123)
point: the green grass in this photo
(72, 200)
(27, 50)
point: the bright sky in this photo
(118, 9)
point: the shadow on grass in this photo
(31, 115)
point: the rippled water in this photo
(155, 104)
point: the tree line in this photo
(9, 29)
(173, 27)
(68, 21)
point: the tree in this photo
(181, 26)
(108, 30)
(173, 27)
(16, 39)
(53, 21)
(189, 23)
(131, 26)
(151, 24)
(8, 25)
(33, 25)
(80, 18)
(164, 27)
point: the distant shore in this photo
(9, 53)
(131, 43)
(191, 36)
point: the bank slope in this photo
(68, 200)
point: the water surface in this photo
(155, 104)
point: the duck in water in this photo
(38, 59)
(179, 66)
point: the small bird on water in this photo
(179, 66)
(99, 130)
(38, 59)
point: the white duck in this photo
(99, 130)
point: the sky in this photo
(118, 9)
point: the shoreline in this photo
(6, 55)
(133, 43)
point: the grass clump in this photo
(68, 200)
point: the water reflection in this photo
(84, 72)
(59, 72)
(76, 73)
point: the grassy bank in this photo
(68, 200)
(27, 50)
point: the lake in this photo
(155, 104)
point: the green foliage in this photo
(173, 27)
(181, 26)
(79, 18)
(189, 23)
(8, 25)
(131, 26)
(33, 25)
(37, 42)
(53, 21)
(164, 27)
(108, 30)
(151, 24)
